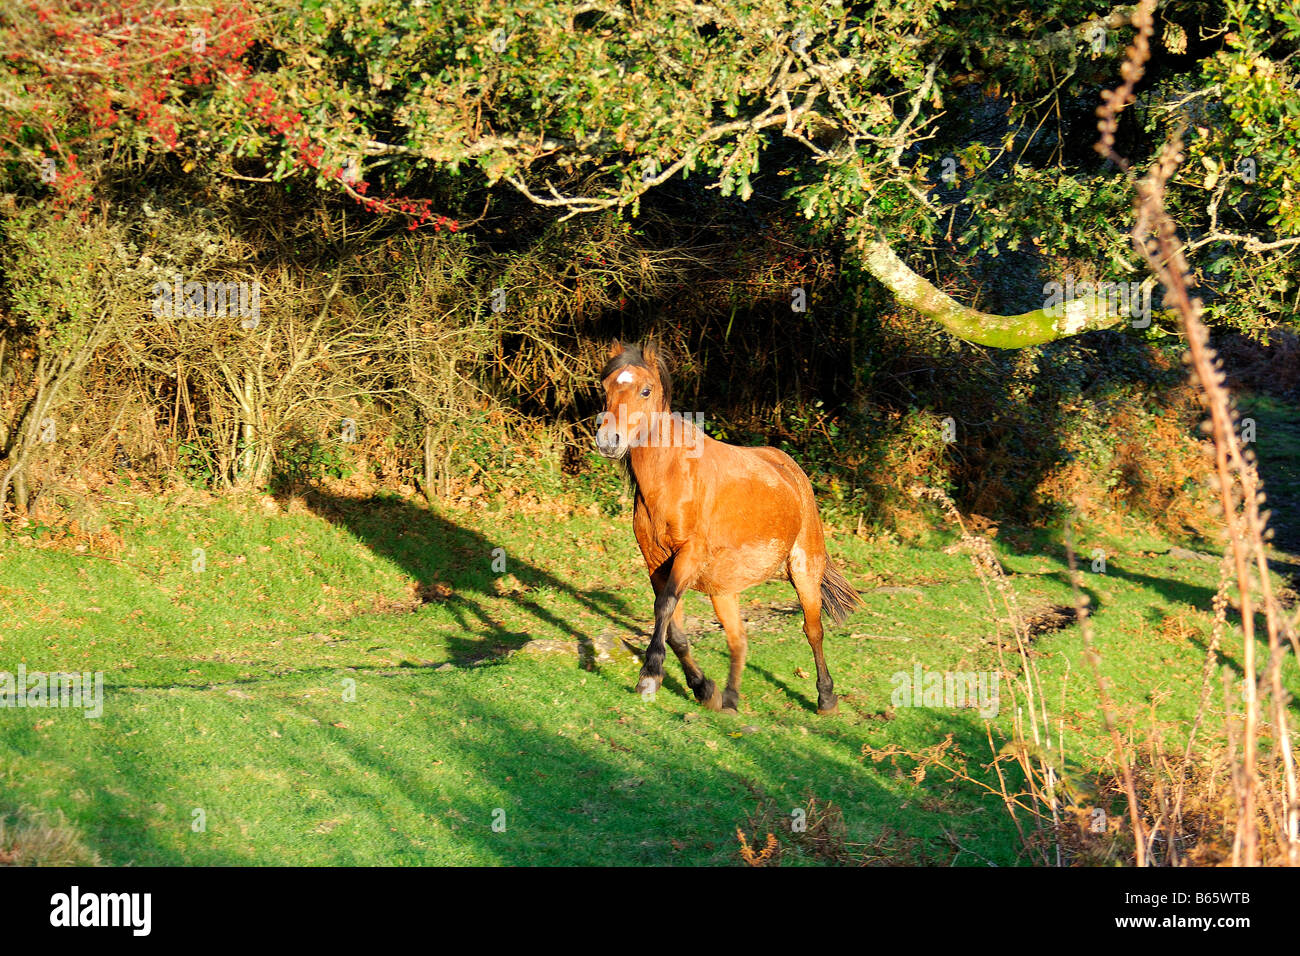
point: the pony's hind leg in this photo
(706, 692)
(806, 576)
(727, 607)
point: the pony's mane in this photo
(634, 355)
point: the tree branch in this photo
(915, 291)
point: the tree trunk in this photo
(429, 467)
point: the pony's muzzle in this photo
(610, 443)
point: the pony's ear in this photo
(650, 353)
(616, 349)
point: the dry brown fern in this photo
(761, 858)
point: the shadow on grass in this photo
(453, 568)
(419, 768)
(424, 791)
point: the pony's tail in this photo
(838, 597)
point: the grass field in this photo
(328, 681)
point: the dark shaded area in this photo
(651, 818)
(758, 370)
(436, 552)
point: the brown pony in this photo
(714, 518)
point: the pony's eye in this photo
(645, 392)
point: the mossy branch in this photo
(1048, 324)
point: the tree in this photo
(590, 105)
(66, 284)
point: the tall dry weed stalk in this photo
(1031, 743)
(1155, 237)
(1173, 800)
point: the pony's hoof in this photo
(647, 687)
(730, 710)
(830, 711)
(708, 695)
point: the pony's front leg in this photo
(683, 569)
(705, 691)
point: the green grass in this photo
(336, 687)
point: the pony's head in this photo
(637, 386)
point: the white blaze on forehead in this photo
(625, 377)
